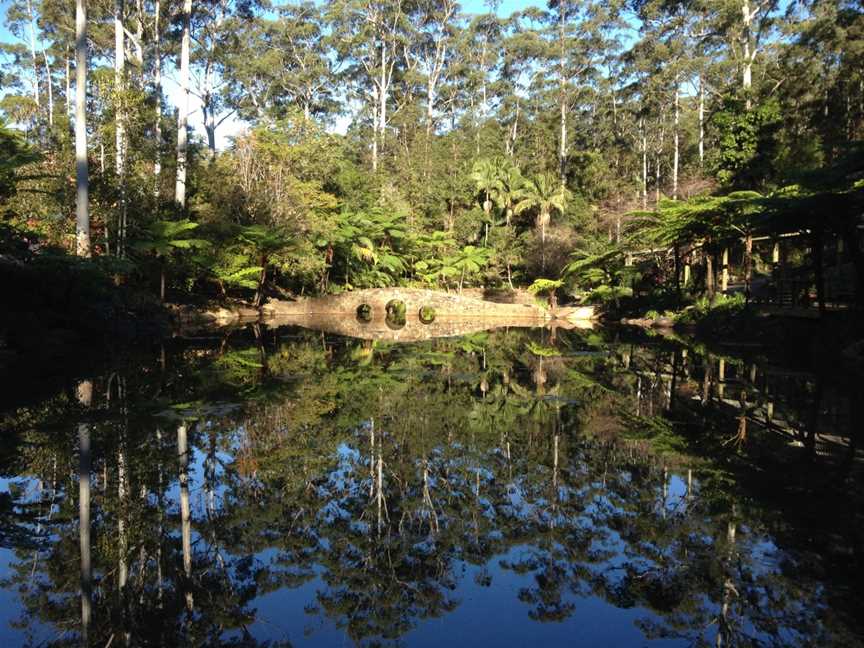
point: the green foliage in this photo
(491, 127)
(369, 248)
(746, 142)
(14, 153)
(543, 194)
(545, 285)
(163, 237)
(600, 270)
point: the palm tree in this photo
(499, 181)
(487, 179)
(544, 194)
(510, 182)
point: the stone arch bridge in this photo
(451, 314)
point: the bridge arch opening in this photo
(426, 314)
(395, 310)
(364, 313)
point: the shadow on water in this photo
(289, 486)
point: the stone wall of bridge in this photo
(446, 305)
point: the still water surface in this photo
(510, 488)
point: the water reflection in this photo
(507, 487)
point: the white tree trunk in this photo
(562, 90)
(82, 209)
(120, 120)
(185, 512)
(33, 53)
(183, 108)
(511, 144)
(119, 87)
(747, 53)
(562, 151)
(644, 165)
(68, 85)
(138, 41)
(701, 122)
(675, 139)
(50, 88)
(122, 538)
(85, 395)
(382, 94)
(157, 90)
(374, 128)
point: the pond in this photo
(516, 487)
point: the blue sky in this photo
(470, 6)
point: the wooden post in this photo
(724, 280)
(818, 271)
(721, 377)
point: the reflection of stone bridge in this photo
(370, 313)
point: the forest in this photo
(641, 154)
(683, 468)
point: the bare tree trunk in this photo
(724, 269)
(183, 108)
(511, 148)
(122, 539)
(157, 90)
(138, 41)
(68, 84)
(209, 126)
(82, 209)
(701, 123)
(50, 88)
(185, 514)
(207, 107)
(85, 397)
(562, 91)
(161, 510)
(675, 139)
(120, 120)
(382, 95)
(375, 129)
(709, 274)
(33, 53)
(562, 152)
(748, 54)
(430, 120)
(818, 269)
(644, 164)
(724, 627)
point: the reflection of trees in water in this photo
(391, 468)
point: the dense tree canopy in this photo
(387, 142)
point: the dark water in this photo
(511, 488)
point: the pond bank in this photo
(833, 338)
